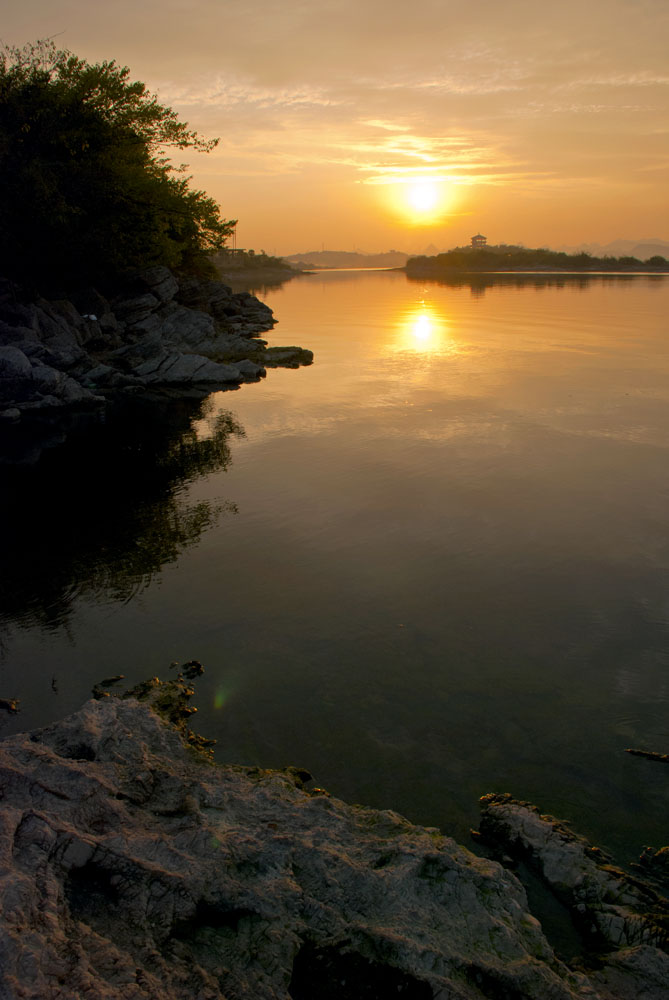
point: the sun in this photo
(416, 200)
(423, 196)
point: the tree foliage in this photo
(88, 192)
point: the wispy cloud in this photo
(539, 109)
(388, 126)
(643, 78)
(226, 94)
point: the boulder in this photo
(189, 329)
(175, 368)
(16, 382)
(287, 357)
(219, 301)
(135, 308)
(14, 363)
(205, 295)
(10, 334)
(160, 282)
(134, 867)
(249, 369)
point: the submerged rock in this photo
(135, 867)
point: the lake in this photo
(432, 565)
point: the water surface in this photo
(432, 565)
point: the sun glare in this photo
(418, 201)
(424, 330)
(423, 196)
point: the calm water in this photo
(432, 565)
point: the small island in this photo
(479, 257)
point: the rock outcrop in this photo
(623, 920)
(157, 332)
(133, 866)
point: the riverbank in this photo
(259, 276)
(154, 331)
(135, 867)
(246, 268)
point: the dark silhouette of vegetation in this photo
(118, 509)
(88, 193)
(514, 258)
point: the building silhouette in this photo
(479, 241)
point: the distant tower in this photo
(479, 241)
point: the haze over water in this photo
(435, 565)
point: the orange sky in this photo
(358, 124)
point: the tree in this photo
(88, 192)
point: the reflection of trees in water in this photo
(480, 283)
(102, 514)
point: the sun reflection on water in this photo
(421, 328)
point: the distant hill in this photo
(348, 258)
(643, 249)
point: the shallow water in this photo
(432, 565)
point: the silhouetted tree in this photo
(87, 192)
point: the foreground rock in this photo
(157, 332)
(134, 867)
(622, 920)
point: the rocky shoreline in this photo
(135, 867)
(157, 331)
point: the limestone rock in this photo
(174, 369)
(157, 331)
(289, 357)
(134, 309)
(13, 363)
(134, 867)
(16, 334)
(160, 282)
(28, 383)
(189, 329)
(249, 369)
(239, 311)
(615, 912)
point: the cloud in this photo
(388, 126)
(224, 94)
(643, 78)
(340, 97)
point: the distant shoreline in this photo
(578, 272)
(260, 274)
(506, 259)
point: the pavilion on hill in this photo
(479, 241)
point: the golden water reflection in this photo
(423, 329)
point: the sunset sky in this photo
(377, 125)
